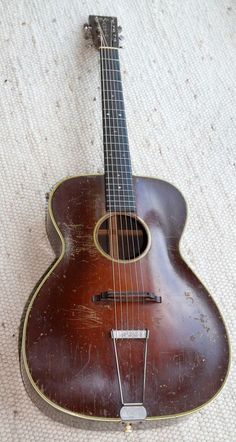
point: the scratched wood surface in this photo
(181, 118)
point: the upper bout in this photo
(161, 203)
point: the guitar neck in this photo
(118, 172)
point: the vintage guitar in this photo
(120, 329)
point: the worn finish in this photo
(67, 345)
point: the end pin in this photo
(128, 428)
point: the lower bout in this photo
(88, 422)
(90, 390)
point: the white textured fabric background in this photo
(179, 72)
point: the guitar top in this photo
(119, 331)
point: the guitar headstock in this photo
(103, 30)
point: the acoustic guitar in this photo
(119, 330)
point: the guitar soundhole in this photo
(123, 237)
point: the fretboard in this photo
(118, 172)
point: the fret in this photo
(121, 209)
(112, 109)
(110, 136)
(114, 80)
(111, 70)
(127, 186)
(121, 184)
(115, 135)
(116, 170)
(121, 181)
(114, 115)
(114, 192)
(121, 197)
(105, 99)
(116, 127)
(113, 154)
(112, 59)
(118, 192)
(124, 180)
(118, 154)
(115, 139)
(121, 163)
(119, 187)
(111, 74)
(114, 202)
(121, 175)
(112, 90)
(116, 147)
(126, 202)
(113, 150)
(121, 144)
(118, 159)
(108, 117)
(115, 164)
(122, 193)
(116, 206)
(114, 122)
(111, 179)
(108, 114)
(113, 184)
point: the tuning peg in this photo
(87, 31)
(121, 37)
(119, 29)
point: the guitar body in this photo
(68, 353)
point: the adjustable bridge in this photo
(127, 297)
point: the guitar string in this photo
(115, 115)
(132, 239)
(131, 218)
(114, 204)
(105, 156)
(132, 234)
(114, 91)
(114, 163)
(139, 250)
(122, 188)
(115, 124)
(127, 162)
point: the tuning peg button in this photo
(87, 31)
(119, 29)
